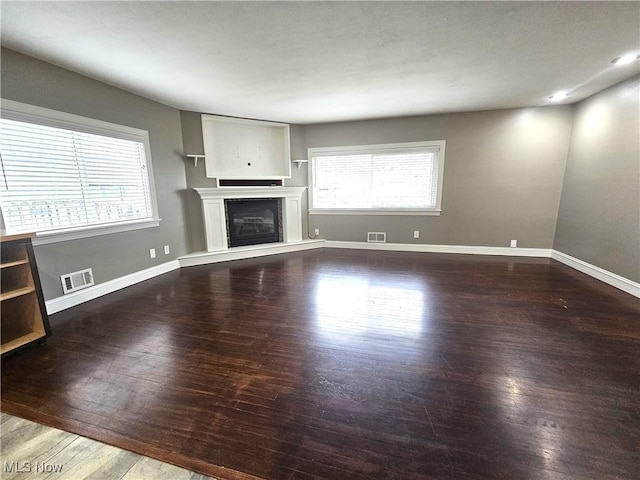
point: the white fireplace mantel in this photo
(215, 224)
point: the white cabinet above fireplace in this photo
(239, 149)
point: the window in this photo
(67, 174)
(402, 178)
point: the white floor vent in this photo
(377, 237)
(77, 280)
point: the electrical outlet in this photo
(416, 234)
(166, 250)
(317, 231)
(152, 253)
(514, 243)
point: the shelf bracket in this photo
(300, 162)
(195, 159)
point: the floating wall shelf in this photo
(300, 162)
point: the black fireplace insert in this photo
(253, 221)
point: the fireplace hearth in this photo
(253, 221)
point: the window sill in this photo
(405, 211)
(45, 238)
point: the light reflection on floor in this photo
(548, 436)
(352, 305)
(157, 344)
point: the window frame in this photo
(26, 113)
(377, 148)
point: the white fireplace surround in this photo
(215, 223)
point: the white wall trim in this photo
(426, 248)
(601, 274)
(201, 258)
(44, 238)
(380, 212)
(67, 301)
(250, 251)
(598, 273)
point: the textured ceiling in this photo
(311, 62)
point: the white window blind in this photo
(389, 177)
(57, 179)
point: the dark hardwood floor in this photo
(342, 364)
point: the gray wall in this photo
(502, 177)
(599, 215)
(27, 80)
(196, 175)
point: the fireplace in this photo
(216, 224)
(253, 221)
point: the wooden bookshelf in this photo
(23, 315)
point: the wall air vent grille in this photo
(77, 280)
(377, 237)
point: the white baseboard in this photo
(76, 298)
(201, 258)
(461, 249)
(251, 251)
(601, 274)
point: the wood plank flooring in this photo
(31, 451)
(344, 364)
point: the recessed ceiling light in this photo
(558, 96)
(624, 59)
